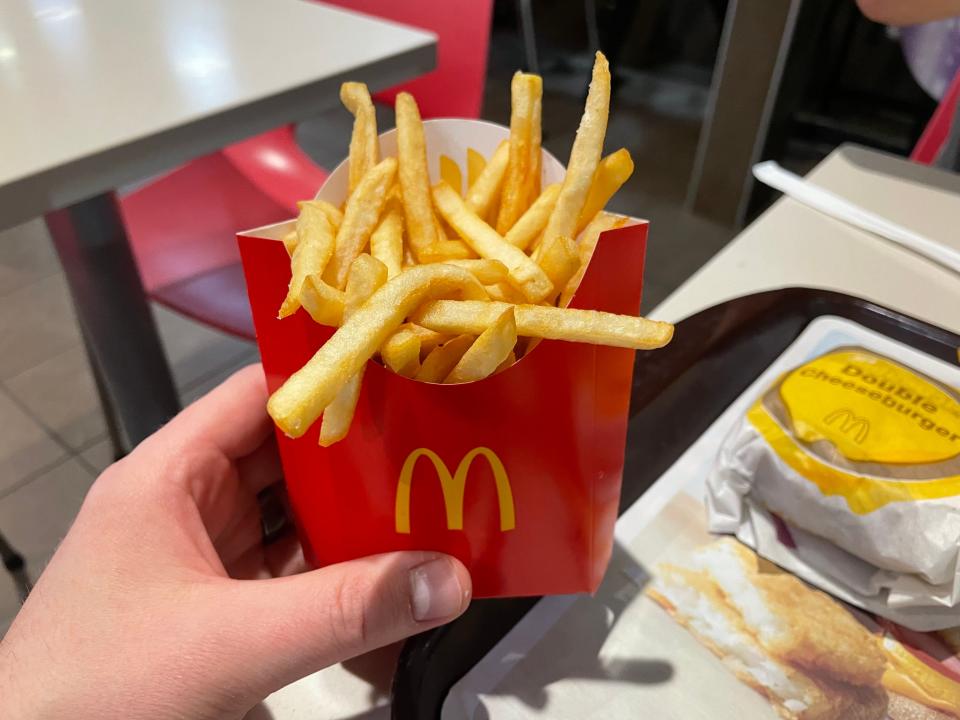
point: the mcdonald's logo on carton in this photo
(453, 488)
(849, 423)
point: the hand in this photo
(161, 601)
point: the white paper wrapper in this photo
(900, 560)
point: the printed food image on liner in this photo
(808, 654)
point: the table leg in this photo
(133, 377)
(17, 567)
(746, 79)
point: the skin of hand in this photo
(908, 12)
(161, 602)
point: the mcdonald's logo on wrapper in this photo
(850, 424)
(453, 488)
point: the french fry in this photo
(395, 196)
(444, 250)
(488, 351)
(551, 323)
(485, 190)
(448, 293)
(429, 339)
(534, 220)
(401, 352)
(491, 217)
(586, 244)
(315, 246)
(560, 262)
(614, 170)
(510, 360)
(414, 177)
(322, 302)
(536, 152)
(386, 242)
(505, 292)
(443, 359)
(475, 165)
(364, 143)
(525, 274)
(290, 242)
(338, 415)
(330, 210)
(301, 399)
(585, 155)
(488, 272)
(525, 92)
(441, 234)
(360, 219)
(450, 173)
(367, 275)
(335, 217)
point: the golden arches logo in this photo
(849, 424)
(453, 488)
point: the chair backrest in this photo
(455, 88)
(937, 130)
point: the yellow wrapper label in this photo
(872, 410)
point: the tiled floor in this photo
(54, 439)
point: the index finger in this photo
(232, 416)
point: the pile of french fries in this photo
(450, 284)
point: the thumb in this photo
(295, 625)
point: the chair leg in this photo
(593, 27)
(529, 35)
(17, 567)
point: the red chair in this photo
(182, 226)
(937, 130)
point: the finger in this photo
(280, 558)
(232, 416)
(284, 557)
(261, 468)
(297, 625)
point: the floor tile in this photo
(60, 392)
(201, 388)
(25, 447)
(26, 255)
(37, 321)
(99, 455)
(195, 351)
(35, 517)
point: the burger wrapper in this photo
(847, 473)
(518, 475)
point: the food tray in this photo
(678, 393)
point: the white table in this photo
(790, 245)
(99, 93)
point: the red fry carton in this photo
(517, 475)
